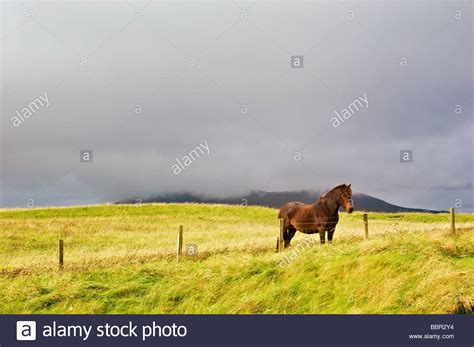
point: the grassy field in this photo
(121, 259)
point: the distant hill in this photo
(362, 202)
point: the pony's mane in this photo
(329, 191)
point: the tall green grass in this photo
(120, 259)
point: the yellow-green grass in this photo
(121, 259)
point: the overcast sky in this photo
(141, 84)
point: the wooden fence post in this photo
(179, 243)
(366, 225)
(453, 220)
(61, 254)
(281, 240)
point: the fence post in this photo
(61, 254)
(366, 225)
(281, 240)
(179, 243)
(453, 220)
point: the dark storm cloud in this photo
(142, 59)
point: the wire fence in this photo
(104, 241)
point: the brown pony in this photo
(319, 217)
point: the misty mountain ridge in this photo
(362, 202)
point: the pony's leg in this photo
(290, 232)
(330, 233)
(322, 235)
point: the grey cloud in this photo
(239, 62)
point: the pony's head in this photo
(346, 198)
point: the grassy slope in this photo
(119, 259)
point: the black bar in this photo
(249, 330)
